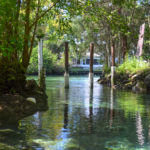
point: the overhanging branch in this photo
(44, 13)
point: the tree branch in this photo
(34, 31)
(44, 13)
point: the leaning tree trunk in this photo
(140, 41)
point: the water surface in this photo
(80, 118)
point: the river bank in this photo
(19, 105)
(72, 71)
(137, 82)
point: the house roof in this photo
(95, 55)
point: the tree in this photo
(112, 23)
(18, 32)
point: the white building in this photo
(84, 62)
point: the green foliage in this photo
(106, 70)
(22, 21)
(50, 62)
(132, 65)
(8, 28)
(77, 21)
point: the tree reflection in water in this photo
(66, 108)
(111, 106)
(86, 119)
(90, 110)
(139, 129)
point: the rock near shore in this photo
(137, 82)
(14, 107)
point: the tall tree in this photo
(18, 32)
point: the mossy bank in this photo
(133, 75)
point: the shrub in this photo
(132, 65)
(50, 62)
(106, 70)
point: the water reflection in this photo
(131, 103)
(85, 119)
(149, 134)
(90, 110)
(66, 108)
(111, 106)
(139, 129)
(38, 122)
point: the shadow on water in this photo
(81, 118)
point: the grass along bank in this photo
(132, 74)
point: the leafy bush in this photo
(132, 65)
(106, 70)
(50, 62)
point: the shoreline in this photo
(137, 82)
(17, 106)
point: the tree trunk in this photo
(16, 30)
(120, 50)
(108, 52)
(112, 63)
(34, 30)
(66, 75)
(113, 54)
(124, 47)
(140, 41)
(25, 56)
(106, 57)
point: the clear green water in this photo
(83, 119)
